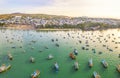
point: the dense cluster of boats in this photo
(72, 55)
(85, 41)
(76, 64)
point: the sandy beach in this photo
(29, 27)
(20, 27)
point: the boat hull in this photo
(5, 68)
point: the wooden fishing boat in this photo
(35, 74)
(76, 65)
(10, 56)
(90, 63)
(105, 64)
(96, 75)
(118, 68)
(72, 56)
(32, 60)
(4, 68)
(50, 57)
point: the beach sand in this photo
(30, 27)
(23, 27)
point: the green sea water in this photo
(39, 45)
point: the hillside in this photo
(7, 16)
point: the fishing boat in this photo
(32, 60)
(33, 41)
(96, 75)
(10, 56)
(4, 68)
(72, 56)
(57, 44)
(90, 63)
(56, 67)
(50, 57)
(105, 64)
(76, 65)
(35, 74)
(75, 52)
(118, 68)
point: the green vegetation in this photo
(45, 16)
(2, 24)
(83, 26)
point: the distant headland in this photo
(44, 21)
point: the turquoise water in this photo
(39, 45)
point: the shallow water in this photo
(39, 45)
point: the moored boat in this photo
(10, 56)
(118, 68)
(96, 75)
(72, 56)
(105, 64)
(32, 60)
(75, 52)
(56, 66)
(35, 74)
(50, 57)
(76, 65)
(4, 68)
(90, 62)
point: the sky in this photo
(75, 8)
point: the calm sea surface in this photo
(38, 44)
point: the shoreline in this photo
(18, 27)
(29, 27)
(57, 29)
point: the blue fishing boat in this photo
(35, 74)
(105, 64)
(56, 67)
(75, 52)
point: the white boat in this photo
(10, 56)
(96, 75)
(32, 60)
(75, 52)
(105, 64)
(56, 66)
(90, 62)
(4, 68)
(50, 57)
(76, 65)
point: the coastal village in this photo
(58, 22)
